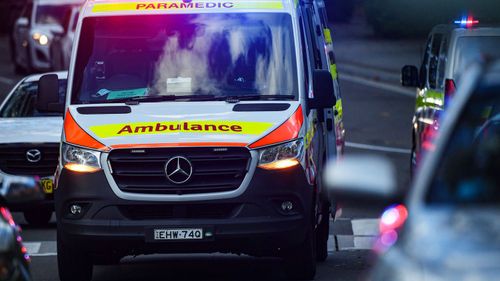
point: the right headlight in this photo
(281, 156)
(81, 160)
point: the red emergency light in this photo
(467, 22)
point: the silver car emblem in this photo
(33, 155)
(178, 170)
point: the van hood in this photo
(31, 130)
(182, 123)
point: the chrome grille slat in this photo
(213, 171)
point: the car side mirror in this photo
(362, 179)
(23, 22)
(324, 96)
(409, 76)
(19, 189)
(48, 94)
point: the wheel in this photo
(322, 234)
(300, 262)
(38, 217)
(74, 264)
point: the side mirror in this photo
(362, 179)
(409, 76)
(48, 94)
(324, 96)
(22, 22)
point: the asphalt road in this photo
(377, 120)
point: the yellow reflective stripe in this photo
(173, 127)
(338, 108)
(310, 134)
(333, 71)
(328, 36)
(178, 5)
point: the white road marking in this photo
(32, 247)
(377, 84)
(364, 243)
(378, 148)
(44, 255)
(365, 227)
(6, 81)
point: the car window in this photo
(22, 102)
(51, 14)
(425, 64)
(434, 60)
(469, 170)
(472, 49)
(442, 64)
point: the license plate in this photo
(178, 234)
(47, 185)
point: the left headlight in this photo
(281, 156)
(81, 160)
(41, 38)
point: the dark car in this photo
(448, 227)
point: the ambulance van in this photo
(196, 127)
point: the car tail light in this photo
(391, 221)
(449, 90)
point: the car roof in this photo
(131, 7)
(62, 75)
(478, 30)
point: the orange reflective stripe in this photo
(287, 131)
(186, 144)
(76, 135)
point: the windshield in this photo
(472, 49)
(51, 14)
(22, 102)
(185, 55)
(470, 170)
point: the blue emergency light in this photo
(467, 22)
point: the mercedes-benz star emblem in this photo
(33, 155)
(178, 170)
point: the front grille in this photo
(214, 169)
(13, 159)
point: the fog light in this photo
(75, 209)
(287, 206)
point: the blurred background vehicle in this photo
(448, 51)
(449, 228)
(62, 42)
(29, 144)
(14, 260)
(33, 33)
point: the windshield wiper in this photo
(236, 99)
(158, 98)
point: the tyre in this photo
(38, 217)
(300, 262)
(74, 264)
(322, 235)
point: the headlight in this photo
(80, 160)
(281, 156)
(42, 39)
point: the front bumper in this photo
(22, 193)
(252, 222)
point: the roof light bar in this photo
(467, 22)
